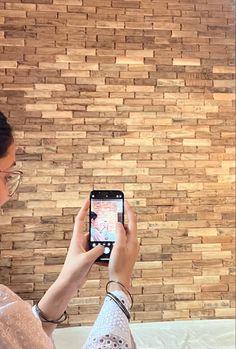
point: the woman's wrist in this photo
(117, 287)
(119, 284)
(54, 303)
(56, 299)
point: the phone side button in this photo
(107, 250)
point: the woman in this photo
(24, 328)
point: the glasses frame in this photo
(16, 173)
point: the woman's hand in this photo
(73, 275)
(125, 250)
(79, 259)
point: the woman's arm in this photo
(111, 328)
(54, 303)
(73, 275)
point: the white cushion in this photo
(196, 334)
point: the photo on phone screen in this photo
(106, 209)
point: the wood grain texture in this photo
(129, 95)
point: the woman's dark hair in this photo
(93, 215)
(6, 136)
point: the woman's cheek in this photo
(3, 193)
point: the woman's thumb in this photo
(95, 252)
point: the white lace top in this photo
(20, 329)
(111, 329)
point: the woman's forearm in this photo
(54, 302)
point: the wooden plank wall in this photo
(134, 95)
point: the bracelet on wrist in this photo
(123, 287)
(120, 304)
(44, 318)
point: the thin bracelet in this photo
(126, 290)
(120, 304)
(43, 317)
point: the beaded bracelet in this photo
(44, 318)
(124, 288)
(120, 304)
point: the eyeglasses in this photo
(12, 180)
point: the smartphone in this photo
(106, 209)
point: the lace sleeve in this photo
(18, 326)
(111, 329)
(34, 312)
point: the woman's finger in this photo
(79, 219)
(95, 253)
(121, 238)
(132, 223)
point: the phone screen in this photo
(106, 209)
